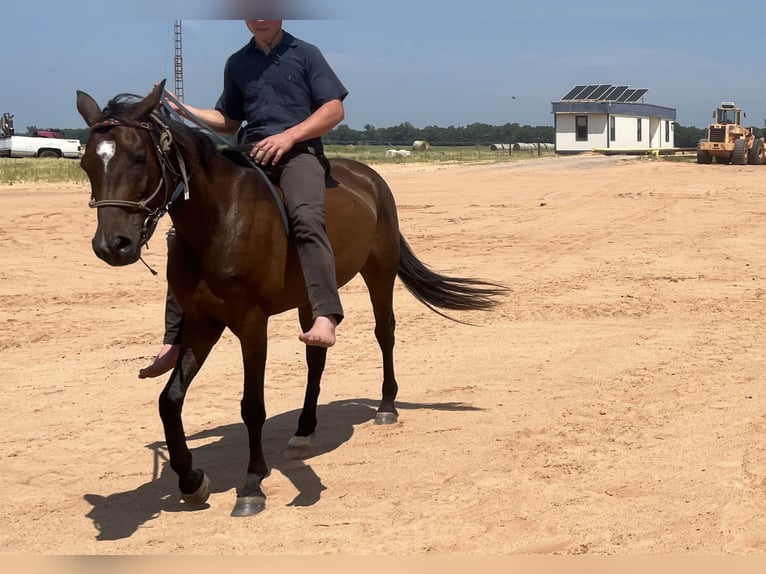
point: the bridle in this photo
(163, 144)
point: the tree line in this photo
(473, 134)
(480, 134)
(405, 133)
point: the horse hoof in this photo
(299, 446)
(248, 506)
(200, 495)
(386, 418)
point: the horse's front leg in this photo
(198, 338)
(251, 499)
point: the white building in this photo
(611, 118)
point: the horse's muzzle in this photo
(116, 250)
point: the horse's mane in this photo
(187, 138)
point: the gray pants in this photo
(302, 179)
(174, 315)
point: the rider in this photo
(290, 97)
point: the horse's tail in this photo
(436, 290)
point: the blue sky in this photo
(428, 63)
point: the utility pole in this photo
(179, 62)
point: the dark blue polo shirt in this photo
(275, 92)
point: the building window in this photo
(612, 129)
(581, 128)
(667, 131)
(638, 129)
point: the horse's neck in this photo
(219, 193)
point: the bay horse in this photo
(232, 264)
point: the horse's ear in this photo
(150, 103)
(88, 108)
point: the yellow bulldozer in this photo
(728, 141)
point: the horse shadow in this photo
(120, 514)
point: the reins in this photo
(168, 98)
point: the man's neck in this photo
(266, 46)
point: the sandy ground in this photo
(614, 404)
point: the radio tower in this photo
(179, 62)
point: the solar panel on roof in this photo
(605, 93)
(637, 95)
(602, 89)
(585, 94)
(573, 92)
(624, 97)
(585, 90)
(617, 92)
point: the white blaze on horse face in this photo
(105, 151)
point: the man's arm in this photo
(324, 119)
(213, 118)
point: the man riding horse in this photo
(289, 96)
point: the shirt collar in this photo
(287, 40)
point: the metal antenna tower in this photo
(179, 62)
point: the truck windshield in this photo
(727, 116)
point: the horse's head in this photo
(124, 160)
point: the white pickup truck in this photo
(36, 146)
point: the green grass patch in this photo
(25, 170)
(681, 158)
(437, 154)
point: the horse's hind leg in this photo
(300, 444)
(381, 287)
(198, 339)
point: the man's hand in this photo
(172, 103)
(271, 149)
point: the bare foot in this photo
(322, 332)
(163, 362)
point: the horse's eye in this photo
(141, 159)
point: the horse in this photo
(233, 265)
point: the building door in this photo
(655, 133)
